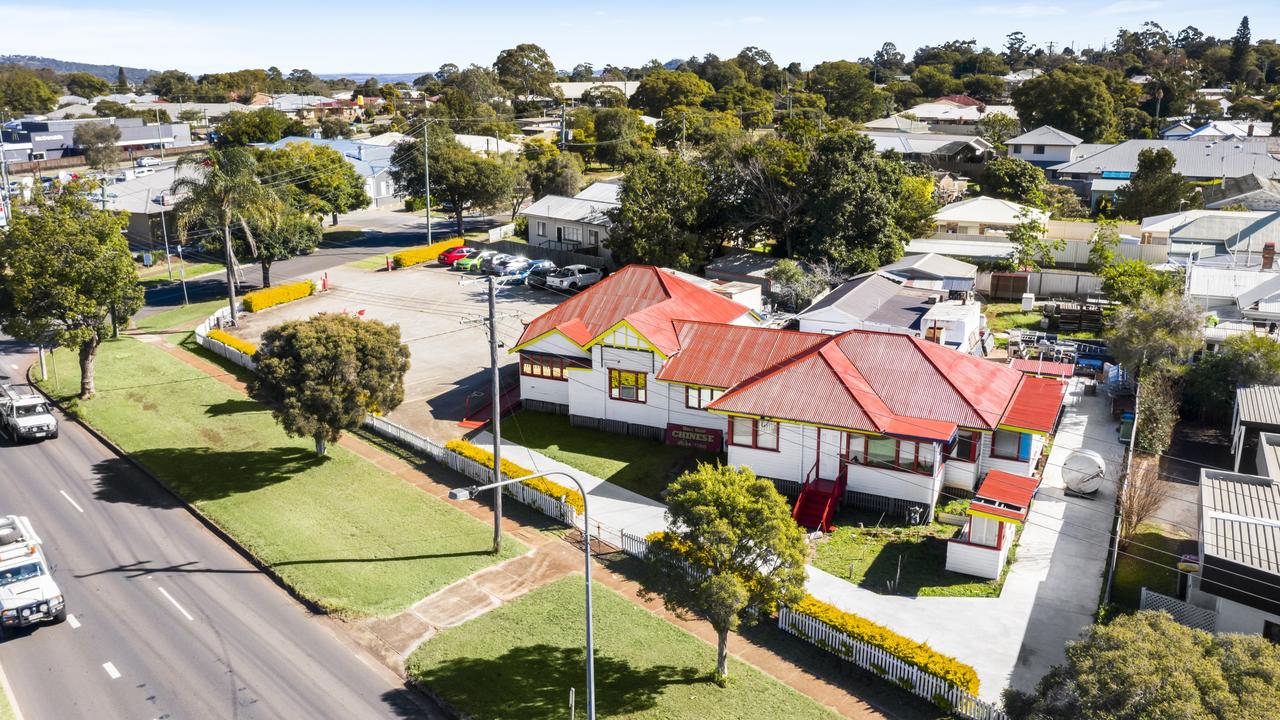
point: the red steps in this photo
(817, 504)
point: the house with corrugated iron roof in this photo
(882, 420)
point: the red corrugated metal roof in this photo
(1004, 494)
(805, 389)
(645, 296)
(1035, 404)
(1043, 367)
(721, 356)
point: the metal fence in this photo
(866, 656)
(1183, 612)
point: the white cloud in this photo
(1022, 11)
(751, 20)
(1125, 7)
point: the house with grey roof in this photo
(575, 224)
(1197, 161)
(1043, 147)
(1200, 234)
(933, 271)
(872, 301)
(934, 149)
(372, 162)
(1252, 191)
(1239, 547)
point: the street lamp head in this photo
(465, 493)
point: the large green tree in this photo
(459, 178)
(22, 91)
(621, 136)
(1241, 50)
(1155, 189)
(320, 376)
(662, 89)
(1031, 249)
(848, 90)
(69, 276)
(1127, 281)
(315, 179)
(1154, 330)
(264, 125)
(1146, 666)
(733, 553)
(1241, 361)
(551, 172)
(174, 86)
(1014, 179)
(98, 142)
(1075, 99)
(86, 85)
(525, 71)
(281, 236)
(659, 220)
(219, 189)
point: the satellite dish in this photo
(1084, 472)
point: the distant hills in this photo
(106, 72)
(382, 77)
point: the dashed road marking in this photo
(111, 670)
(72, 621)
(74, 504)
(181, 609)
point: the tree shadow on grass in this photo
(905, 567)
(533, 682)
(232, 407)
(199, 473)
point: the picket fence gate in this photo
(869, 657)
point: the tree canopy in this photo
(460, 178)
(98, 142)
(662, 89)
(660, 216)
(264, 125)
(317, 180)
(1156, 329)
(1155, 189)
(22, 91)
(320, 376)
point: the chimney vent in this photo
(1268, 255)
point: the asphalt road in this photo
(326, 257)
(165, 620)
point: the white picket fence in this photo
(221, 349)
(547, 505)
(866, 656)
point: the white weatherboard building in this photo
(883, 420)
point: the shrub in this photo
(569, 496)
(419, 255)
(913, 653)
(234, 342)
(279, 295)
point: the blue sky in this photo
(399, 36)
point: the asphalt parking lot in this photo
(440, 313)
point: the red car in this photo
(454, 254)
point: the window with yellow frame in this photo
(627, 385)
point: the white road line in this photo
(182, 610)
(111, 670)
(72, 621)
(73, 502)
(15, 367)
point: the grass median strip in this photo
(520, 660)
(344, 533)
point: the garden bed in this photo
(897, 559)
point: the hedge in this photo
(913, 653)
(234, 342)
(419, 255)
(569, 496)
(279, 295)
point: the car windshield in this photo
(31, 410)
(8, 576)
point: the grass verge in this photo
(898, 559)
(339, 530)
(6, 707)
(184, 317)
(520, 660)
(1149, 561)
(642, 466)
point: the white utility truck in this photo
(25, 415)
(28, 594)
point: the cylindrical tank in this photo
(1084, 471)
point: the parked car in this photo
(514, 266)
(524, 272)
(454, 254)
(574, 277)
(500, 265)
(147, 161)
(491, 264)
(471, 263)
(143, 172)
(536, 276)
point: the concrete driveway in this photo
(439, 312)
(1052, 590)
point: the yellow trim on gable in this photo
(789, 421)
(544, 335)
(997, 518)
(599, 339)
(1012, 428)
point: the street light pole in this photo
(470, 492)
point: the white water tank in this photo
(1084, 472)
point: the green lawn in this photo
(344, 533)
(642, 466)
(896, 559)
(520, 660)
(183, 317)
(6, 707)
(1148, 566)
(1003, 317)
(159, 272)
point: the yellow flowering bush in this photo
(905, 649)
(278, 295)
(419, 255)
(234, 342)
(569, 496)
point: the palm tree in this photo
(223, 190)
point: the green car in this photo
(471, 263)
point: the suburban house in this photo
(1197, 161)
(1252, 191)
(883, 420)
(1216, 130)
(1239, 558)
(27, 140)
(577, 224)
(1201, 234)
(1043, 147)
(1239, 297)
(486, 144)
(934, 149)
(984, 215)
(952, 112)
(372, 162)
(872, 301)
(739, 265)
(1256, 413)
(933, 271)
(572, 91)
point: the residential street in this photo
(164, 619)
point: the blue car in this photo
(519, 272)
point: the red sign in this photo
(695, 437)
